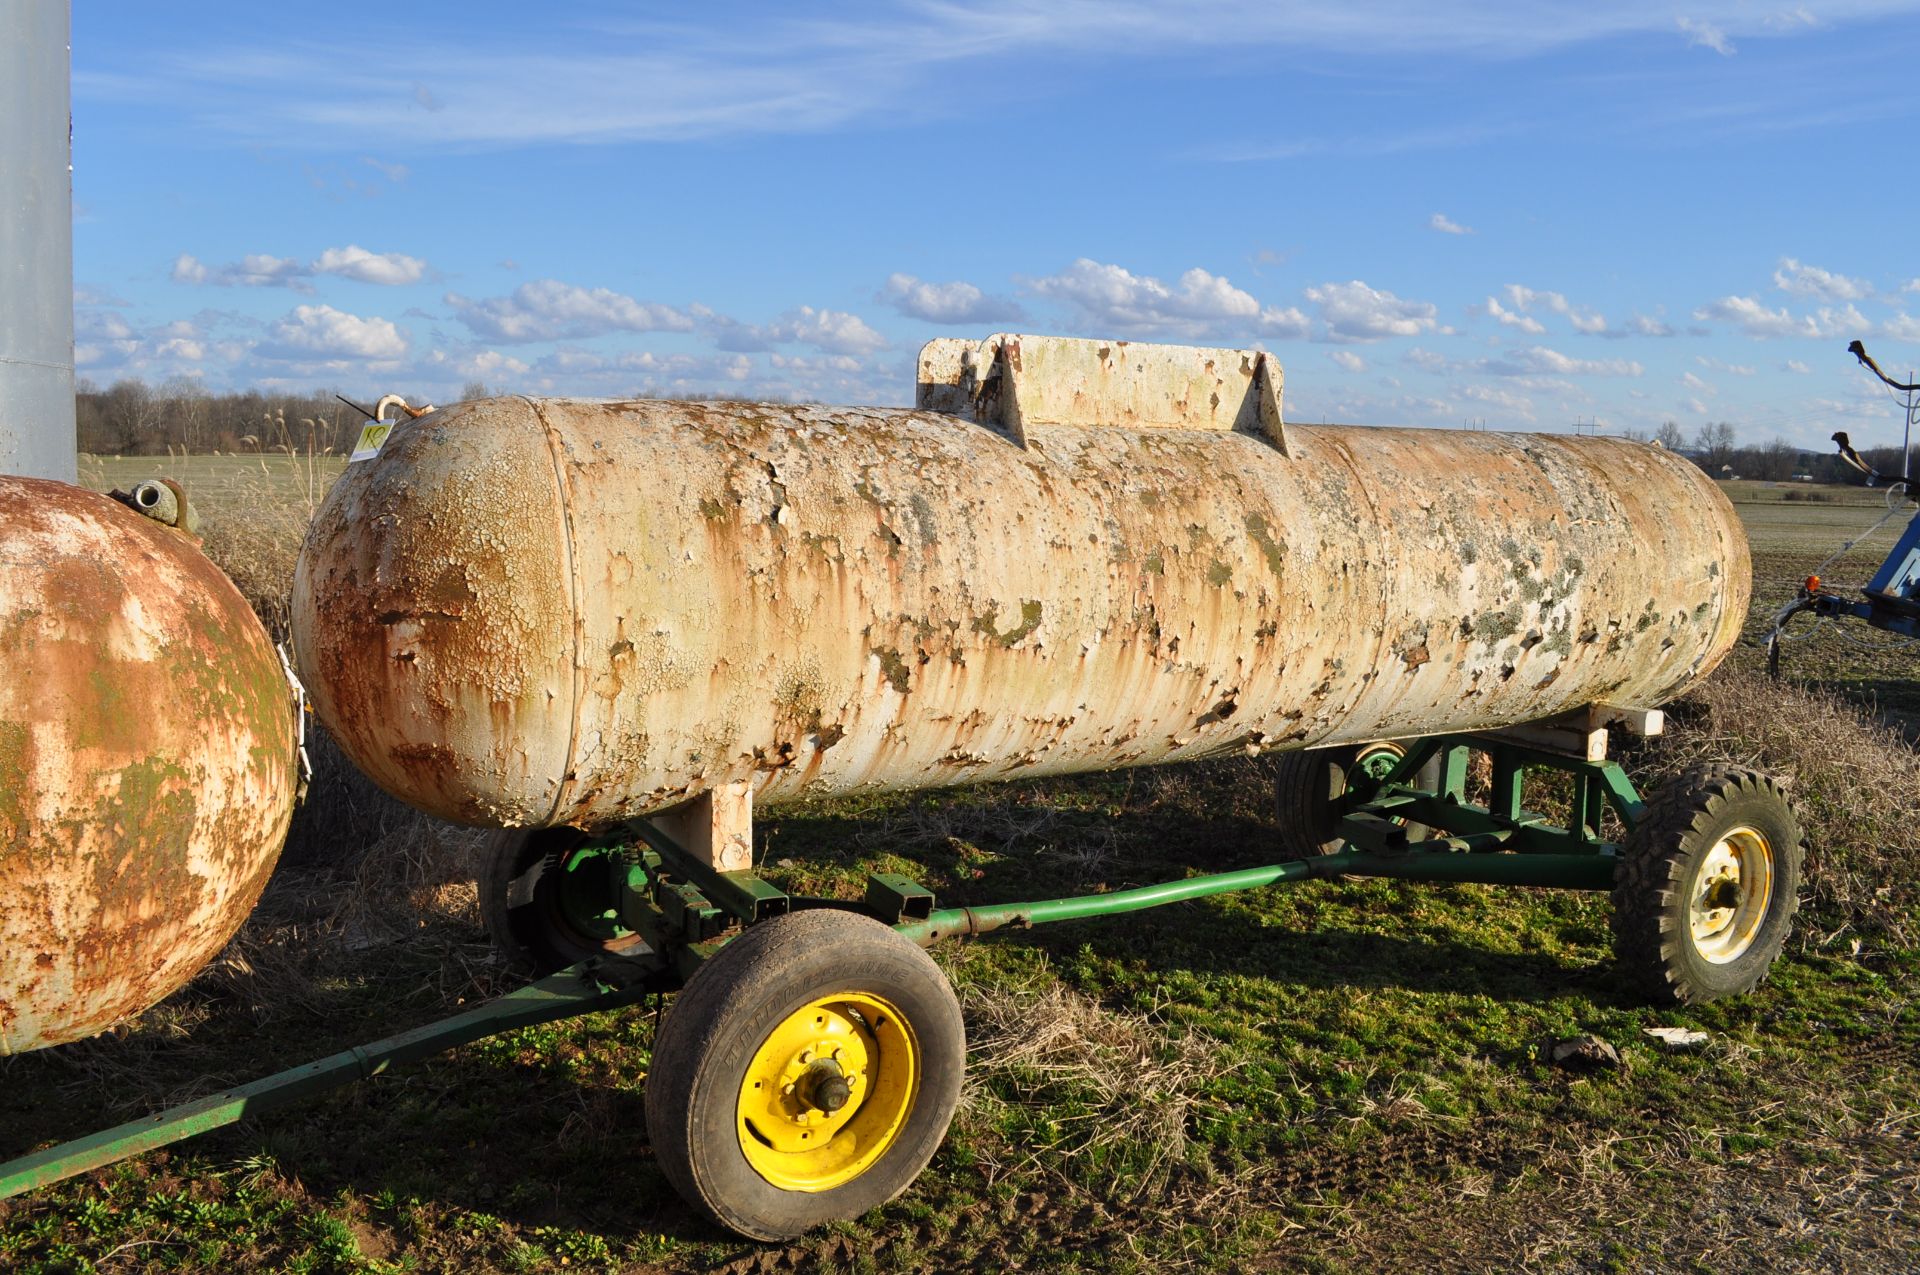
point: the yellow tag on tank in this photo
(372, 434)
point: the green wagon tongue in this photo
(578, 990)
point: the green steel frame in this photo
(686, 911)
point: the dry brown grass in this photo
(1854, 779)
(1108, 1080)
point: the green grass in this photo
(1341, 1076)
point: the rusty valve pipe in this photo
(166, 503)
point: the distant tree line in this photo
(132, 418)
(1716, 449)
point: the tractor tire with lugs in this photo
(1707, 885)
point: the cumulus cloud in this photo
(1797, 367)
(1689, 381)
(322, 333)
(389, 269)
(956, 302)
(255, 270)
(1494, 396)
(1641, 325)
(549, 310)
(833, 331)
(1901, 327)
(102, 339)
(1426, 360)
(88, 294)
(1538, 359)
(262, 270)
(1447, 225)
(1524, 299)
(1513, 318)
(1349, 360)
(1755, 320)
(475, 365)
(1800, 280)
(1705, 35)
(1716, 365)
(1354, 312)
(1114, 299)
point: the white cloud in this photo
(389, 269)
(1349, 360)
(1705, 35)
(1797, 367)
(1116, 301)
(956, 302)
(1426, 360)
(89, 294)
(1447, 225)
(1641, 325)
(1358, 313)
(1800, 280)
(1901, 327)
(1754, 319)
(834, 331)
(262, 270)
(646, 74)
(1689, 381)
(1514, 319)
(476, 365)
(1732, 369)
(395, 173)
(549, 310)
(320, 332)
(1524, 299)
(255, 270)
(1494, 396)
(1539, 359)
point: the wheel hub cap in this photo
(828, 1092)
(1731, 894)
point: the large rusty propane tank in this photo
(559, 611)
(147, 761)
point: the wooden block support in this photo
(1583, 732)
(716, 827)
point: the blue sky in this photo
(1522, 214)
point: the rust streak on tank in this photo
(147, 762)
(822, 599)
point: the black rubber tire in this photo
(1307, 784)
(725, 1013)
(1657, 876)
(530, 932)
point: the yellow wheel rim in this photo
(1731, 894)
(828, 1092)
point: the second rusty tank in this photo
(531, 612)
(148, 762)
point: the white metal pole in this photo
(36, 239)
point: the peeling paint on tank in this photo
(1153, 569)
(146, 762)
